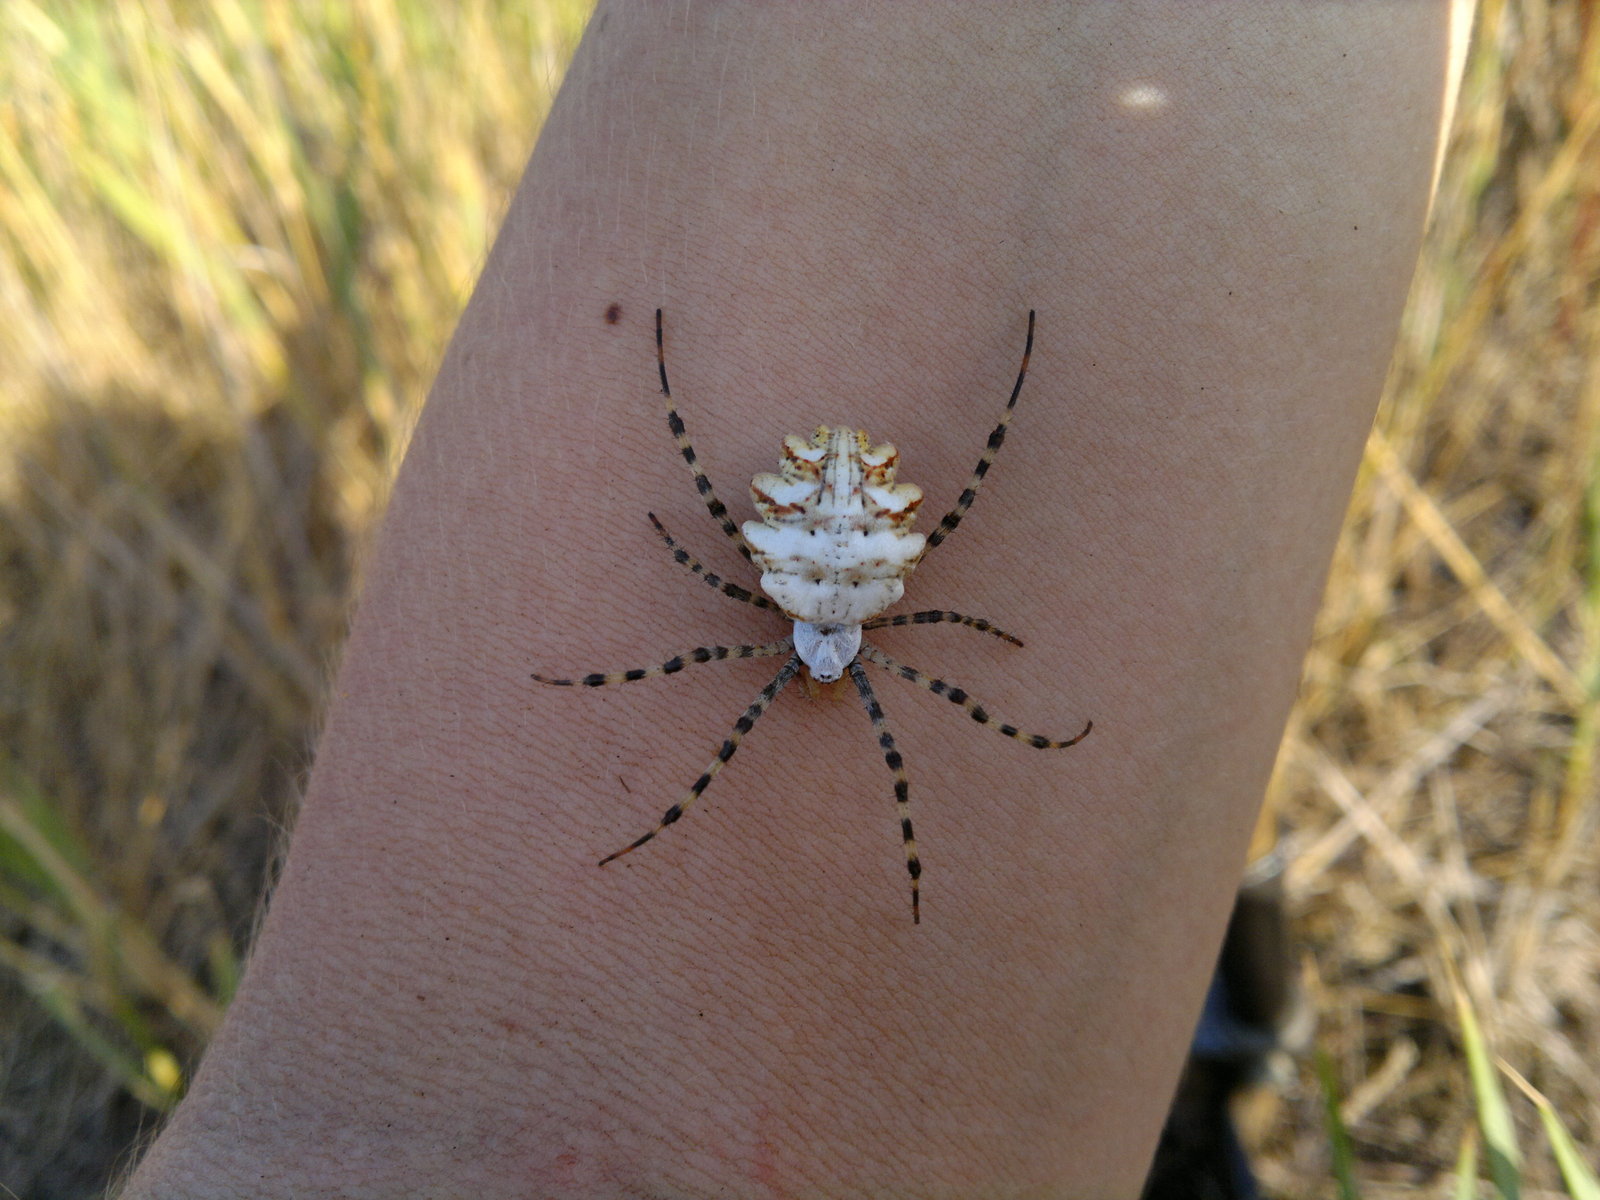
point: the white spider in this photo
(834, 546)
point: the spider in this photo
(834, 547)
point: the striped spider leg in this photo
(834, 546)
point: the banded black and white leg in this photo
(997, 439)
(688, 561)
(975, 710)
(730, 746)
(700, 654)
(936, 616)
(680, 434)
(902, 785)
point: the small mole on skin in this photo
(613, 314)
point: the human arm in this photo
(1214, 211)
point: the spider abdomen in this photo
(834, 544)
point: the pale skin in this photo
(846, 214)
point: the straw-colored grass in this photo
(234, 238)
(1437, 783)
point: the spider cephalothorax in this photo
(834, 547)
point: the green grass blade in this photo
(56, 997)
(1494, 1117)
(39, 852)
(223, 964)
(1467, 1166)
(1581, 1181)
(1339, 1147)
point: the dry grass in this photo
(1438, 775)
(236, 236)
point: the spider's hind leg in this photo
(683, 558)
(902, 786)
(729, 745)
(996, 440)
(680, 434)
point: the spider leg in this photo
(902, 786)
(996, 439)
(681, 435)
(684, 558)
(975, 710)
(939, 617)
(730, 744)
(674, 664)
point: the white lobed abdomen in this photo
(835, 544)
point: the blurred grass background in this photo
(236, 236)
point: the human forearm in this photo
(1214, 212)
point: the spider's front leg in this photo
(902, 785)
(730, 745)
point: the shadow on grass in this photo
(172, 591)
